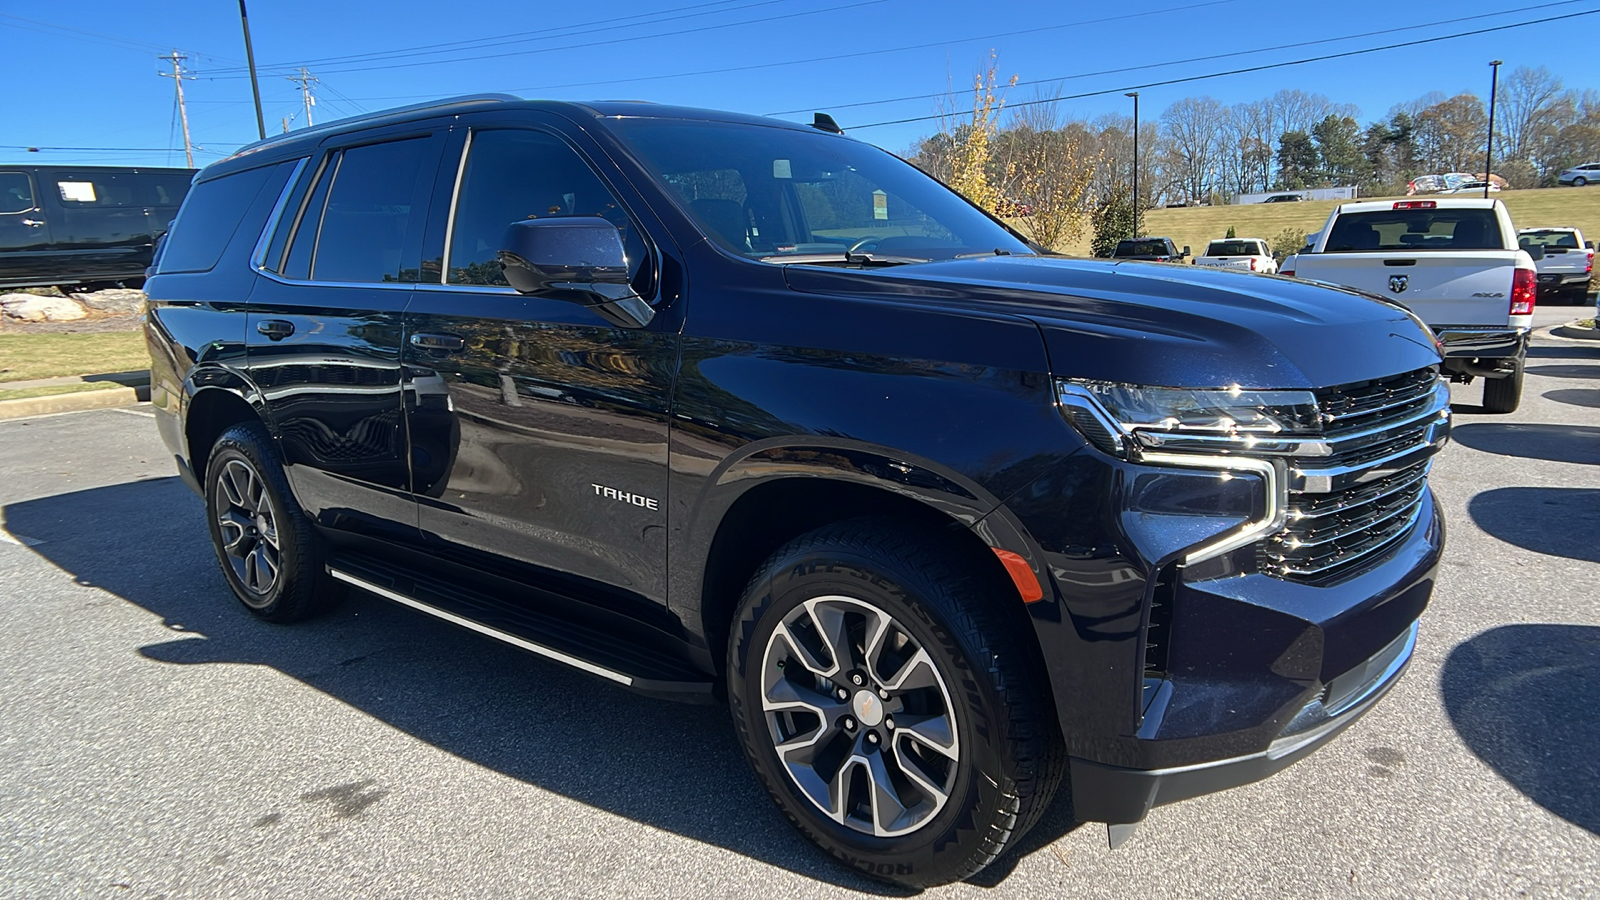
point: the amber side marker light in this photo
(1022, 575)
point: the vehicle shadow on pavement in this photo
(1575, 396)
(667, 765)
(1553, 521)
(1510, 694)
(1557, 443)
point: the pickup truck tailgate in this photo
(1444, 288)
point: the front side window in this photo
(1415, 230)
(16, 193)
(512, 176)
(779, 194)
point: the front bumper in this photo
(1121, 795)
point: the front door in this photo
(538, 428)
(24, 234)
(324, 331)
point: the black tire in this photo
(1580, 181)
(257, 527)
(1504, 395)
(1011, 755)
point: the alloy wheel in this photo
(860, 716)
(247, 523)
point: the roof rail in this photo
(374, 116)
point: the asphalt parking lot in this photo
(155, 741)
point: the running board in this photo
(587, 649)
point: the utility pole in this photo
(250, 57)
(177, 77)
(1135, 96)
(1488, 153)
(305, 80)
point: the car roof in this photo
(1442, 203)
(279, 146)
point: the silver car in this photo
(1578, 176)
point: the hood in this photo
(1162, 324)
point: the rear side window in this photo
(16, 193)
(1416, 231)
(368, 214)
(163, 189)
(209, 218)
(98, 189)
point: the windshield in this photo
(1234, 248)
(1414, 230)
(1564, 240)
(777, 194)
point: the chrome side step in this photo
(497, 634)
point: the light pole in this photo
(250, 57)
(1488, 153)
(1135, 96)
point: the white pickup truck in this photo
(1244, 254)
(1567, 265)
(1453, 262)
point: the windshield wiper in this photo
(843, 259)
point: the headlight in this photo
(1113, 416)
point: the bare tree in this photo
(1450, 134)
(1192, 132)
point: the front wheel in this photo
(1504, 395)
(892, 711)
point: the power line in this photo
(1248, 69)
(1194, 59)
(518, 37)
(588, 45)
(883, 50)
(120, 43)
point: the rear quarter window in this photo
(210, 216)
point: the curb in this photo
(1576, 334)
(61, 403)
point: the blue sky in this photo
(83, 74)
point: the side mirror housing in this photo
(576, 258)
(1536, 251)
(1185, 250)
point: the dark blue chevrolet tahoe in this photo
(725, 408)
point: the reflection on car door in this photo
(324, 330)
(538, 429)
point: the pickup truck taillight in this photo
(1523, 290)
(1588, 267)
(1287, 273)
(1252, 263)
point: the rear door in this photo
(24, 233)
(324, 325)
(1450, 266)
(98, 224)
(538, 428)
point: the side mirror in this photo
(575, 258)
(1185, 250)
(1536, 251)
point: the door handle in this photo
(437, 341)
(33, 223)
(275, 329)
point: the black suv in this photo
(1157, 249)
(730, 409)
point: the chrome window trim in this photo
(470, 288)
(322, 214)
(1272, 519)
(258, 256)
(455, 199)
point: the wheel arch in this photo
(211, 410)
(762, 505)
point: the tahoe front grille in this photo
(1364, 489)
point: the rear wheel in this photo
(1504, 395)
(894, 715)
(269, 552)
(1580, 181)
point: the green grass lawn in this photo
(1198, 226)
(53, 389)
(24, 357)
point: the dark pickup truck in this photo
(83, 225)
(1157, 249)
(735, 410)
